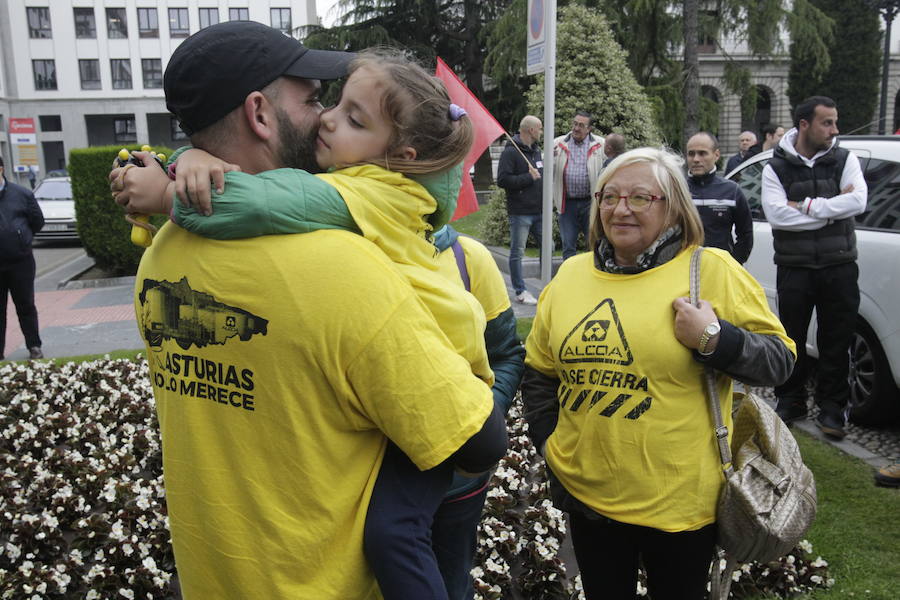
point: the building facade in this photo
(770, 76)
(80, 73)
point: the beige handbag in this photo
(768, 500)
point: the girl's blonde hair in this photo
(417, 106)
(667, 169)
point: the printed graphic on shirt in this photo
(175, 311)
(598, 337)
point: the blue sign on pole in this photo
(534, 57)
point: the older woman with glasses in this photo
(614, 390)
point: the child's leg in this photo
(397, 540)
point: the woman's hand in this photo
(690, 321)
(141, 190)
(194, 171)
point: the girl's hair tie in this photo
(456, 112)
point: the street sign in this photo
(23, 138)
(534, 57)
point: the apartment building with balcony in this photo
(90, 73)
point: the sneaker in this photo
(888, 476)
(831, 425)
(35, 352)
(791, 410)
(526, 298)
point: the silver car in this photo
(54, 195)
(875, 352)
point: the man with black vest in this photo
(812, 189)
(720, 202)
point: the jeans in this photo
(575, 220)
(397, 536)
(453, 537)
(17, 280)
(834, 293)
(608, 553)
(519, 226)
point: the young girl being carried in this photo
(395, 145)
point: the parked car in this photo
(54, 195)
(875, 351)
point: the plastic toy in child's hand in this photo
(141, 231)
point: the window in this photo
(124, 130)
(175, 129)
(709, 31)
(121, 73)
(44, 74)
(208, 16)
(116, 24)
(50, 122)
(281, 19)
(38, 22)
(152, 69)
(85, 23)
(883, 208)
(89, 70)
(749, 180)
(238, 14)
(148, 23)
(178, 23)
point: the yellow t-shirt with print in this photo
(279, 366)
(634, 440)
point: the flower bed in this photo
(83, 515)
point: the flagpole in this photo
(549, 111)
(516, 146)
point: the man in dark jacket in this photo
(720, 202)
(519, 172)
(811, 191)
(20, 219)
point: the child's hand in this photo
(141, 190)
(193, 173)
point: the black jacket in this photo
(20, 219)
(524, 195)
(722, 205)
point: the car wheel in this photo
(874, 398)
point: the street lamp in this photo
(888, 10)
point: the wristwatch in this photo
(709, 332)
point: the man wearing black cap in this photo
(278, 374)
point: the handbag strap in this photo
(709, 376)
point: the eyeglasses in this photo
(577, 125)
(637, 202)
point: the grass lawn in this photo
(470, 224)
(857, 527)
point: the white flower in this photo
(126, 593)
(149, 563)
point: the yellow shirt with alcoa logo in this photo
(634, 441)
(279, 366)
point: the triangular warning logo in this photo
(597, 338)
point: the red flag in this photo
(487, 129)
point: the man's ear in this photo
(259, 115)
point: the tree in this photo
(853, 76)
(592, 75)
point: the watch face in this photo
(712, 329)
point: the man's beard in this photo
(298, 147)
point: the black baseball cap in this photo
(211, 72)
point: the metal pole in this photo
(549, 111)
(882, 111)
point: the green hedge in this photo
(105, 234)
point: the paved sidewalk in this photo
(77, 317)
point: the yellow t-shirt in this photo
(485, 279)
(279, 364)
(634, 440)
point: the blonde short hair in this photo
(667, 168)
